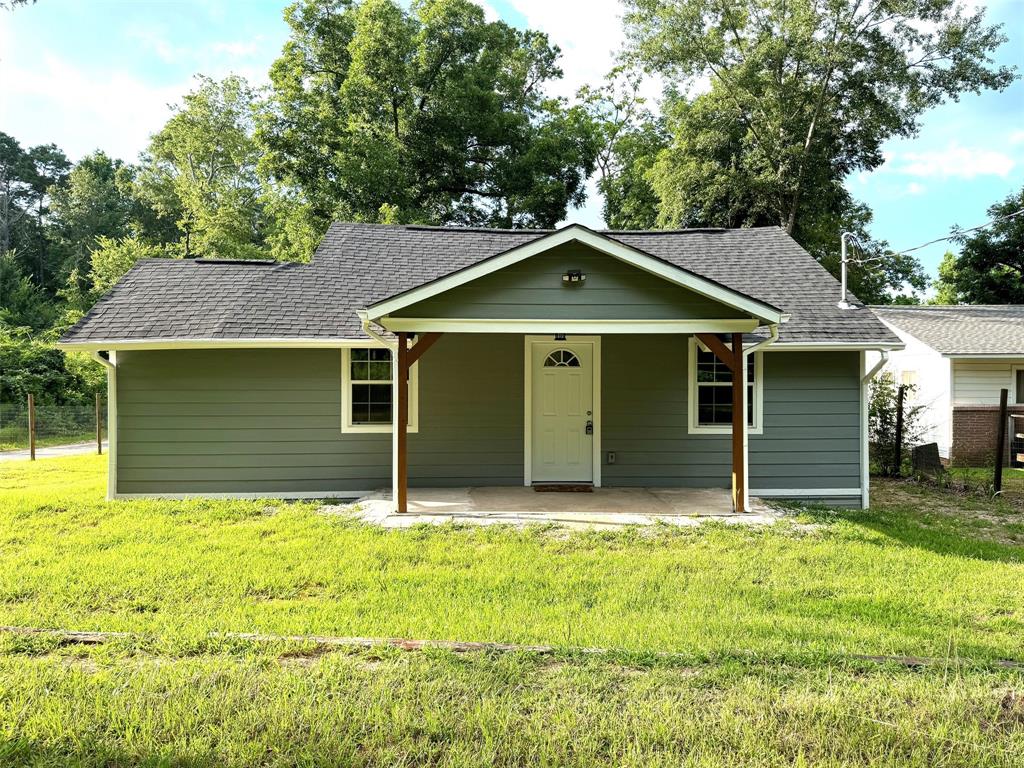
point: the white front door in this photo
(562, 397)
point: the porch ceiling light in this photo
(574, 276)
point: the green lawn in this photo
(766, 625)
(11, 440)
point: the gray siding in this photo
(269, 420)
(811, 419)
(533, 288)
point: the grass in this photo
(766, 624)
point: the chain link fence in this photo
(54, 425)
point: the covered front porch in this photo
(600, 508)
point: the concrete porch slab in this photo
(604, 508)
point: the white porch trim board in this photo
(546, 326)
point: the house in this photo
(513, 357)
(958, 358)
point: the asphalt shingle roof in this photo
(358, 265)
(962, 330)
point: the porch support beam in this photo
(425, 342)
(402, 425)
(722, 352)
(739, 424)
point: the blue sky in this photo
(102, 74)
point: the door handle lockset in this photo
(590, 427)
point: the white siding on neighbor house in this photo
(977, 382)
(921, 365)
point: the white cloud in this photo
(53, 101)
(953, 162)
(1016, 137)
(913, 188)
(153, 39)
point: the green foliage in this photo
(22, 304)
(800, 96)
(990, 266)
(33, 366)
(883, 411)
(201, 168)
(433, 112)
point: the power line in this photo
(950, 236)
(959, 232)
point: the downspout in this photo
(773, 336)
(865, 468)
(109, 361)
(364, 320)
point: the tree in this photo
(22, 304)
(201, 170)
(990, 267)
(799, 95)
(430, 114)
(631, 137)
(96, 201)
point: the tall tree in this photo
(96, 201)
(796, 96)
(990, 266)
(201, 169)
(430, 114)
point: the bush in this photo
(882, 417)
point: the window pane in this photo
(360, 370)
(360, 354)
(714, 405)
(1020, 386)
(379, 371)
(379, 354)
(371, 403)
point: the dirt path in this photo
(53, 451)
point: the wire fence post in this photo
(99, 427)
(997, 478)
(897, 449)
(31, 428)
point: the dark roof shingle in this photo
(357, 265)
(988, 329)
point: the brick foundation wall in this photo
(974, 434)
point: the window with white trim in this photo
(710, 392)
(367, 391)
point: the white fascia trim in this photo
(153, 344)
(996, 355)
(578, 233)
(354, 495)
(806, 492)
(574, 327)
(833, 346)
(111, 366)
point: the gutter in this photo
(878, 366)
(773, 336)
(364, 320)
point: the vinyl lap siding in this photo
(977, 382)
(533, 288)
(268, 421)
(811, 420)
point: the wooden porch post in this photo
(406, 359)
(739, 422)
(402, 423)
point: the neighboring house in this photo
(567, 356)
(959, 358)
